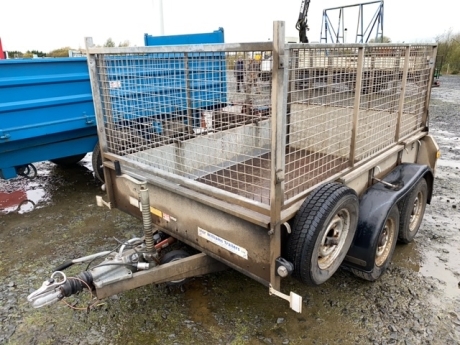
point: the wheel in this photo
(97, 163)
(28, 171)
(385, 247)
(71, 160)
(171, 256)
(322, 233)
(412, 209)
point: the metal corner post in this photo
(357, 104)
(403, 93)
(188, 91)
(92, 68)
(425, 118)
(278, 143)
(98, 108)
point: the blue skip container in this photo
(46, 104)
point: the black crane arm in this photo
(301, 24)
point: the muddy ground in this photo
(416, 302)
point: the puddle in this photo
(448, 163)
(445, 95)
(440, 264)
(21, 201)
(24, 195)
(86, 162)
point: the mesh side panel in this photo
(203, 116)
(206, 115)
(320, 101)
(418, 81)
(380, 91)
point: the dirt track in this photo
(416, 302)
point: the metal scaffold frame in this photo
(329, 34)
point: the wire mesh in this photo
(204, 116)
(418, 82)
(321, 101)
(380, 93)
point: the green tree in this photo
(109, 43)
(31, 53)
(13, 54)
(449, 52)
(383, 39)
(125, 43)
(61, 52)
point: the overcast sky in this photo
(50, 24)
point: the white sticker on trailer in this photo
(135, 202)
(115, 84)
(230, 246)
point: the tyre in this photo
(71, 160)
(412, 210)
(171, 256)
(97, 163)
(384, 248)
(322, 233)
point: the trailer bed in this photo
(252, 177)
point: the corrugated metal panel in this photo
(44, 96)
(46, 111)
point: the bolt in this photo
(282, 271)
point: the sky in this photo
(45, 25)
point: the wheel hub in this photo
(416, 210)
(333, 239)
(384, 245)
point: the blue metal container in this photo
(211, 37)
(46, 105)
(46, 111)
(160, 90)
(160, 87)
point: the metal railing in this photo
(214, 119)
(348, 103)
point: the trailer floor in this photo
(251, 178)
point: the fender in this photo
(374, 208)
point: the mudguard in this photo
(374, 208)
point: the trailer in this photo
(327, 164)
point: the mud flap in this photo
(374, 208)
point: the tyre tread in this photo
(402, 238)
(377, 271)
(96, 159)
(313, 211)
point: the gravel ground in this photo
(416, 302)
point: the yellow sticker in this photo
(156, 212)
